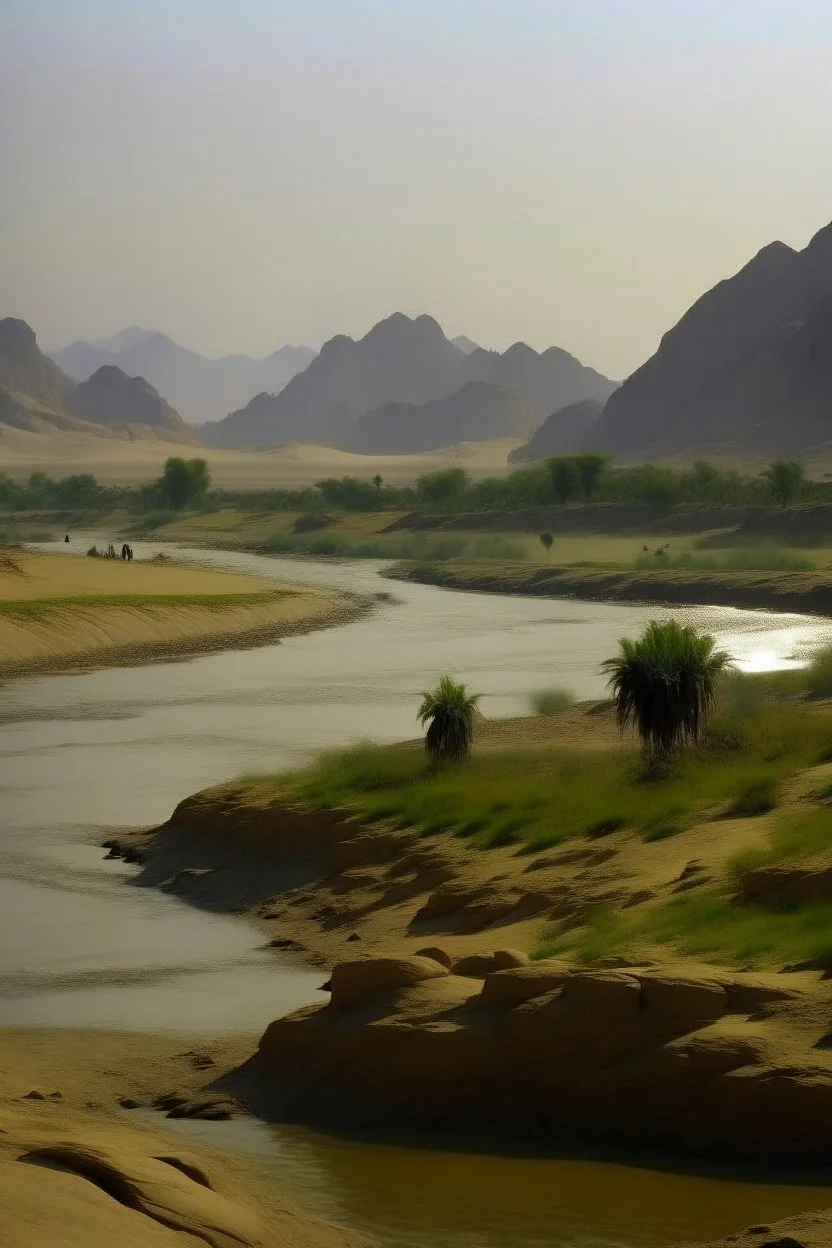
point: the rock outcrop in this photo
(681, 1058)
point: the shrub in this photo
(665, 683)
(551, 701)
(310, 521)
(448, 711)
(818, 675)
(605, 826)
(757, 798)
(669, 823)
(93, 553)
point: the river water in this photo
(84, 752)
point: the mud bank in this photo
(806, 592)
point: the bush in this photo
(309, 522)
(93, 553)
(551, 701)
(757, 798)
(669, 823)
(605, 826)
(818, 675)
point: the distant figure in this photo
(129, 552)
(124, 550)
(66, 539)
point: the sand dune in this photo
(117, 462)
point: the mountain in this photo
(562, 433)
(36, 396)
(201, 388)
(475, 413)
(746, 368)
(400, 361)
(110, 397)
(465, 344)
(25, 370)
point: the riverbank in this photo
(804, 592)
(82, 1166)
(62, 612)
(655, 1033)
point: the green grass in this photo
(392, 546)
(538, 798)
(744, 559)
(34, 608)
(710, 924)
(706, 925)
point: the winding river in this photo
(82, 753)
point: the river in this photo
(85, 752)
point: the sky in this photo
(247, 173)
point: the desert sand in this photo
(119, 462)
(58, 612)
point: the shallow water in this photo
(82, 752)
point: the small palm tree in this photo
(665, 683)
(448, 710)
(546, 540)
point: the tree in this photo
(378, 482)
(184, 481)
(444, 487)
(786, 479)
(564, 477)
(448, 710)
(590, 469)
(546, 540)
(664, 684)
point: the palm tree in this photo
(378, 482)
(448, 710)
(546, 540)
(665, 683)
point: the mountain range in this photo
(401, 361)
(748, 368)
(199, 388)
(35, 395)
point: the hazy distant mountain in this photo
(465, 344)
(748, 367)
(110, 397)
(35, 395)
(200, 388)
(25, 370)
(400, 361)
(562, 433)
(473, 414)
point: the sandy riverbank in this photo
(651, 1049)
(77, 1168)
(61, 612)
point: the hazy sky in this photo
(245, 173)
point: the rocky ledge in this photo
(675, 1057)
